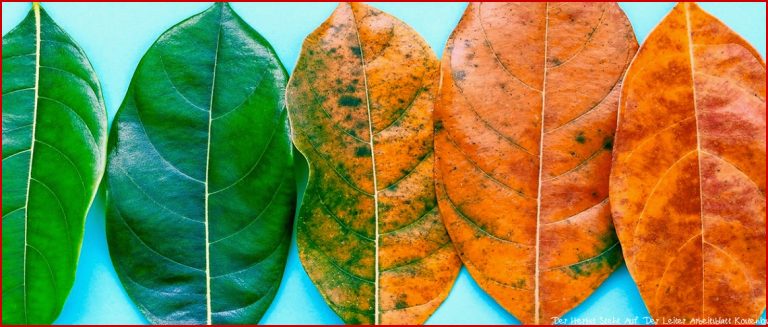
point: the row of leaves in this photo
(501, 159)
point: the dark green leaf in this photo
(201, 191)
(54, 138)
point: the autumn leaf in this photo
(688, 181)
(369, 234)
(524, 131)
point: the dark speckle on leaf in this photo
(349, 101)
(581, 138)
(608, 143)
(357, 51)
(363, 151)
(401, 302)
(438, 126)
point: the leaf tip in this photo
(356, 6)
(687, 6)
(220, 5)
(342, 4)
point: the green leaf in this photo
(54, 139)
(201, 190)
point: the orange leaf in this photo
(688, 181)
(369, 234)
(524, 130)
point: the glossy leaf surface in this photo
(201, 191)
(524, 131)
(369, 234)
(688, 182)
(54, 141)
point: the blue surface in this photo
(116, 35)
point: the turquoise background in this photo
(116, 35)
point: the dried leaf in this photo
(525, 197)
(370, 238)
(688, 183)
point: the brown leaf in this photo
(688, 181)
(524, 197)
(372, 240)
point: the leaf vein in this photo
(19, 90)
(411, 223)
(253, 167)
(339, 221)
(474, 164)
(605, 252)
(495, 55)
(655, 187)
(576, 214)
(579, 165)
(424, 158)
(66, 157)
(334, 124)
(140, 188)
(487, 124)
(63, 212)
(587, 42)
(329, 164)
(420, 259)
(476, 226)
(77, 114)
(272, 252)
(333, 261)
(159, 154)
(12, 211)
(738, 169)
(261, 298)
(256, 218)
(17, 153)
(175, 88)
(144, 243)
(87, 82)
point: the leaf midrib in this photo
(371, 134)
(36, 11)
(698, 140)
(208, 310)
(537, 273)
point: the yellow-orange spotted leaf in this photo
(360, 102)
(524, 130)
(688, 181)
